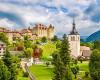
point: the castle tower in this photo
(74, 41)
(50, 32)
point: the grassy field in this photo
(48, 49)
(41, 72)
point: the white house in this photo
(2, 48)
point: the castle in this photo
(38, 31)
(43, 31)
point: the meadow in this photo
(42, 72)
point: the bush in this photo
(44, 39)
(25, 74)
(80, 58)
(47, 64)
(75, 61)
(86, 74)
(94, 65)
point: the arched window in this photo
(72, 38)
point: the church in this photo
(74, 41)
(74, 44)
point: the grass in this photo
(41, 72)
(83, 66)
(48, 49)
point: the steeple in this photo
(74, 31)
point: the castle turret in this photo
(74, 41)
(50, 32)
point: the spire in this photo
(74, 31)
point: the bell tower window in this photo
(72, 38)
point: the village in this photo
(35, 46)
(49, 39)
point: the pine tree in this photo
(59, 68)
(64, 51)
(11, 65)
(4, 73)
(8, 59)
(61, 62)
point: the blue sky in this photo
(21, 13)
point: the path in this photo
(30, 74)
(26, 69)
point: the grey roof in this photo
(74, 31)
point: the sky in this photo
(17, 14)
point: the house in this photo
(85, 51)
(2, 48)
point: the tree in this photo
(11, 64)
(8, 59)
(75, 70)
(4, 73)
(28, 52)
(4, 38)
(62, 68)
(59, 68)
(44, 39)
(27, 42)
(94, 65)
(13, 71)
(64, 51)
(37, 53)
(58, 44)
(20, 45)
(96, 45)
(55, 38)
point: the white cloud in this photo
(6, 23)
(36, 13)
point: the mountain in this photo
(94, 36)
(83, 38)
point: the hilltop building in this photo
(38, 31)
(43, 31)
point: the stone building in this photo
(43, 31)
(74, 41)
(39, 31)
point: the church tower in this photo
(74, 41)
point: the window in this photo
(73, 38)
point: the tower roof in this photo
(74, 31)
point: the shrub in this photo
(86, 74)
(25, 74)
